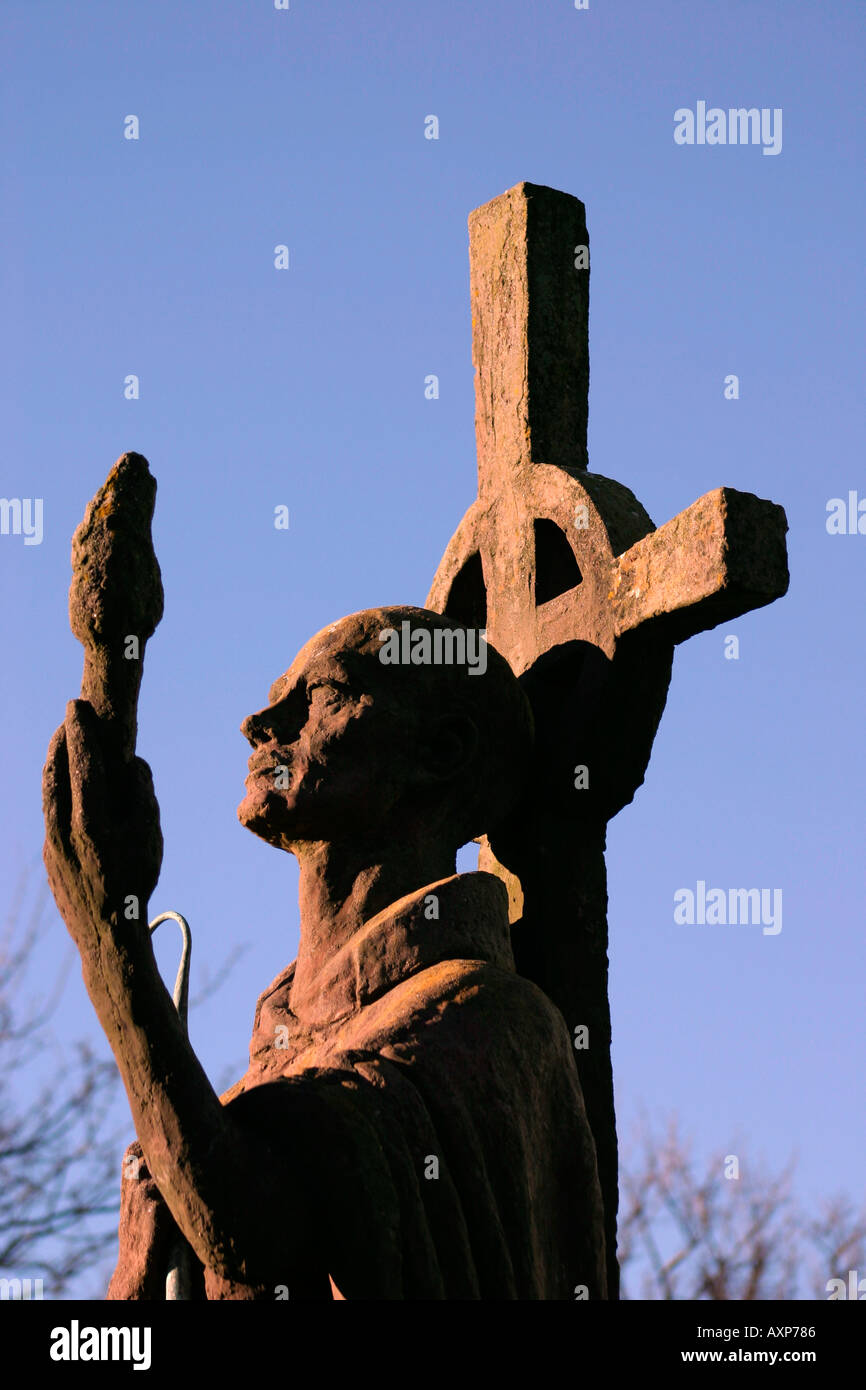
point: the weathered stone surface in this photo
(416, 1046)
(530, 312)
(116, 592)
(411, 1124)
(103, 849)
(584, 598)
(403, 1035)
(147, 1237)
(721, 557)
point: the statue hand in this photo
(103, 844)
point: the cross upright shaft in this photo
(530, 336)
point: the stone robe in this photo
(424, 1099)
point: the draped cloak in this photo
(434, 1095)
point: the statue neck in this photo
(341, 888)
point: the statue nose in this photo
(254, 728)
(281, 721)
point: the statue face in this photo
(330, 752)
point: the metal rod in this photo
(178, 1280)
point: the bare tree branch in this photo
(691, 1235)
(59, 1156)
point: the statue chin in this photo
(274, 817)
(258, 812)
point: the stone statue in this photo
(429, 1109)
(411, 1125)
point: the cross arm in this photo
(721, 557)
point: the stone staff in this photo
(116, 598)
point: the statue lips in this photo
(265, 766)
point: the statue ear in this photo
(448, 745)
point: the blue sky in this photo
(305, 388)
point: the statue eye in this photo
(333, 691)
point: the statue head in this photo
(391, 722)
